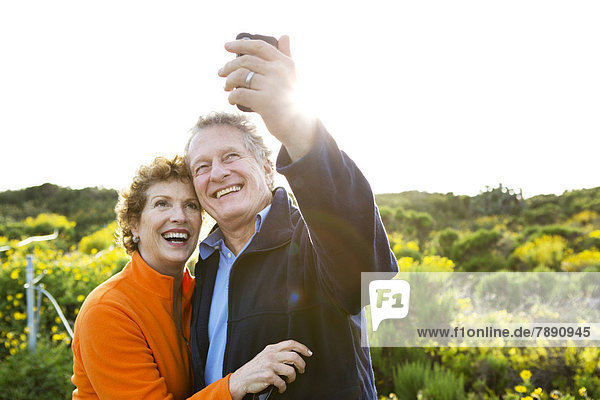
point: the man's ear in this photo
(269, 175)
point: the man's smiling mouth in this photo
(230, 189)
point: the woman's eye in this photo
(160, 203)
(193, 206)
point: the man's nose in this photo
(219, 171)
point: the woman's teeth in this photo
(177, 237)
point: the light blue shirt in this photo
(219, 308)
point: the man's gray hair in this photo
(253, 142)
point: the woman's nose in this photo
(178, 214)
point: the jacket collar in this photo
(155, 282)
(277, 228)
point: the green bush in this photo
(45, 374)
(445, 241)
(407, 252)
(385, 360)
(475, 243)
(99, 240)
(418, 378)
(409, 379)
(69, 278)
(441, 384)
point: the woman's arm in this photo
(112, 360)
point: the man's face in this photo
(230, 183)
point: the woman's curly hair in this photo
(133, 200)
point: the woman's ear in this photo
(134, 228)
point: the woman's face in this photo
(169, 226)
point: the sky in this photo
(436, 96)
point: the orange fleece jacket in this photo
(126, 344)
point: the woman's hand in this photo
(275, 365)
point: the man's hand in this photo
(270, 91)
(275, 365)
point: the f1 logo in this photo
(389, 300)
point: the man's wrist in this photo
(302, 137)
(234, 388)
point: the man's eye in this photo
(232, 157)
(201, 169)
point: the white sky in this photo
(438, 96)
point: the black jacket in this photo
(300, 278)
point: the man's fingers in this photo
(239, 79)
(285, 370)
(258, 48)
(279, 384)
(291, 344)
(283, 45)
(297, 361)
(241, 96)
(248, 62)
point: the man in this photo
(270, 272)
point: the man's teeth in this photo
(228, 190)
(176, 236)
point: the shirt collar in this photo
(216, 240)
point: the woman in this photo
(131, 335)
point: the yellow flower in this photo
(57, 320)
(527, 398)
(537, 391)
(80, 298)
(54, 329)
(77, 277)
(525, 374)
(9, 298)
(520, 389)
(19, 316)
(13, 351)
(57, 336)
(14, 274)
(10, 335)
(19, 295)
(582, 391)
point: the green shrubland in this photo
(497, 230)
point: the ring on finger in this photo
(249, 79)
